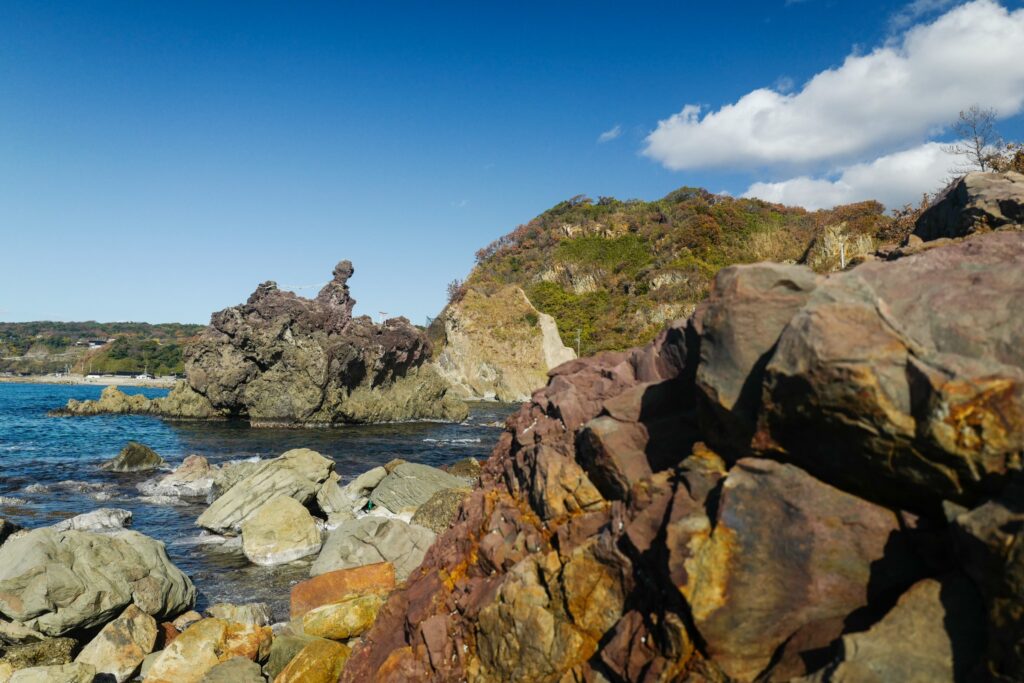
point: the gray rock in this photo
(64, 673)
(192, 479)
(15, 633)
(374, 539)
(410, 485)
(59, 581)
(974, 203)
(147, 662)
(135, 457)
(103, 519)
(235, 670)
(257, 613)
(230, 473)
(297, 474)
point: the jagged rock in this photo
(933, 635)
(296, 474)
(15, 633)
(904, 380)
(103, 519)
(467, 468)
(410, 485)
(61, 673)
(119, 648)
(185, 620)
(497, 345)
(205, 645)
(257, 613)
(370, 540)
(332, 586)
(48, 652)
(788, 554)
(135, 457)
(235, 670)
(58, 581)
(279, 531)
(976, 202)
(343, 619)
(438, 513)
(181, 403)
(321, 661)
(990, 543)
(193, 478)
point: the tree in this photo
(978, 139)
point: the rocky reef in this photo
(283, 360)
(811, 478)
(498, 345)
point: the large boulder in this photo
(344, 619)
(119, 648)
(320, 661)
(61, 581)
(235, 670)
(370, 540)
(497, 345)
(297, 474)
(135, 457)
(279, 531)
(973, 203)
(257, 613)
(438, 513)
(410, 485)
(904, 380)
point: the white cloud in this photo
(894, 179)
(610, 134)
(910, 13)
(892, 97)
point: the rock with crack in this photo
(118, 649)
(370, 540)
(410, 485)
(975, 202)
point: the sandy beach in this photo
(102, 380)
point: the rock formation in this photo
(973, 203)
(283, 360)
(498, 346)
(809, 475)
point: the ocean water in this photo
(49, 470)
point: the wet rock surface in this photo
(135, 457)
(763, 493)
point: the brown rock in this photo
(204, 645)
(344, 619)
(438, 513)
(333, 586)
(973, 203)
(119, 648)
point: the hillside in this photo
(613, 273)
(47, 346)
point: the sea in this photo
(50, 470)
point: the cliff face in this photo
(283, 360)
(498, 346)
(810, 477)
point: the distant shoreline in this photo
(101, 381)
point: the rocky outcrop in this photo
(973, 203)
(762, 493)
(60, 581)
(282, 360)
(497, 345)
(206, 644)
(370, 540)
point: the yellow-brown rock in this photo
(344, 619)
(333, 586)
(204, 645)
(120, 647)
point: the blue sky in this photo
(159, 160)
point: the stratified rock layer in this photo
(282, 360)
(762, 493)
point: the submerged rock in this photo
(103, 519)
(298, 474)
(60, 581)
(193, 478)
(135, 457)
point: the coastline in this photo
(102, 381)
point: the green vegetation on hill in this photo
(616, 271)
(45, 346)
